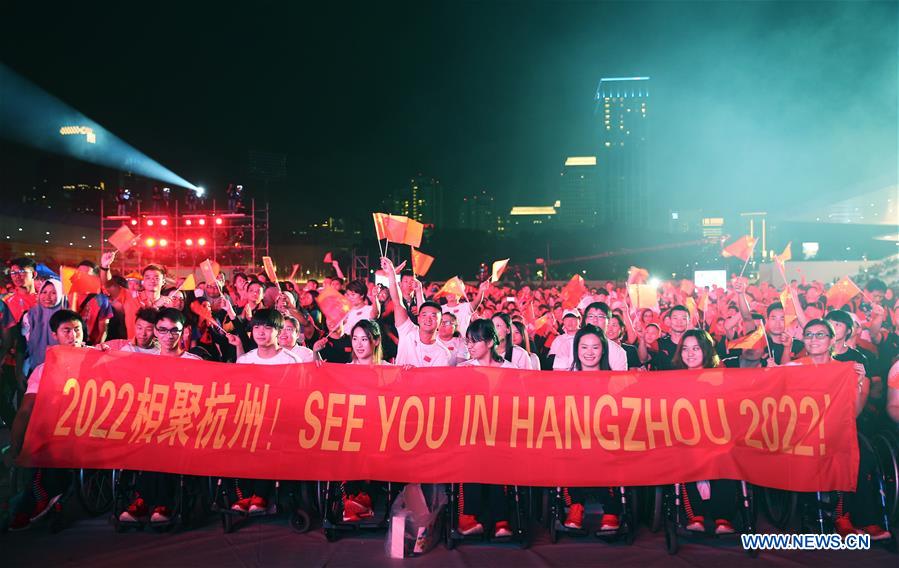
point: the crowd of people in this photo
(248, 319)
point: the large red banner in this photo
(789, 427)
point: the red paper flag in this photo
(741, 248)
(123, 239)
(421, 262)
(842, 293)
(413, 234)
(333, 305)
(755, 340)
(573, 292)
(499, 267)
(269, 267)
(542, 326)
(453, 286)
(786, 300)
(328, 258)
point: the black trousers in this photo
(484, 501)
(723, 503)
(864, 505)
(156, 489)
(610, 497)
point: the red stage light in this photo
(189, 242)
(218, 221)
(134, 221)
(202, 221)
(201, 242)
(164, 222)
(188, 222)
(149, 222)
(151, 242)
(163, 242)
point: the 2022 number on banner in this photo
(791, 428)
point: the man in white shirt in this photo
(598, 314)
(446, 335)
(266, 326)
(169, 331)
(288, 338)
(418, 345)
(562, 349)
(356, 292)
(144, 334)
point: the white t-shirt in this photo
(563, 349)
(617, 357)
(411, 351)
(132, 348)
(184, 355)
(535, 362)
(304, 353)
(284, 357)
(34, 379)
(457, 348)
(462, 311)
(475, 363)
(521, 359)
(353, 317)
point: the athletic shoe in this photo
(20, 522)
(877, 532)
(610, 523)
(469, 525)
(697, 524)
(357, 506)
(43, 507)
(502, 530)
(241, 506)
(723, 526)
(575, 518)
(257, 504)
(136, 510)
(161, 515)
(844, 526)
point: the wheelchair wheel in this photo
(671, 544)
(779, 506)
(228, 524)
(330, 535)
(657, 510)
(300, 521)
(95, 491)
(886, 448)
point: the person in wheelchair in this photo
(155, 491)
(47, 484)
(591, 353)
(708, 499)
(475, 499)
(859, 511)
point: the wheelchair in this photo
(518, 515)
(885, 443)
(676, 518)
(91, 489)
(290, 497)
(330, 505)
(189, 497)
(628, 518)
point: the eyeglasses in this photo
(18, 272)
(818, 335)
(173, 332)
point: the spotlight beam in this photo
(35, 118)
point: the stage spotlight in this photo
(151, 242)
(134, 221)
(149, 222)
(163, 242)
(200, 191)
(218, 221)
(201, 241)
(202, 221)
(164, 222)
(188, 222)
(189, 242)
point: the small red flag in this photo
(498, 268)
(842, 293)
(328, 258)
(453, 286)
(741, 248)
(333, 305)
(573, 292)
(421, 262)
(755, 340)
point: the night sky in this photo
(753, 104)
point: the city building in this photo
(579, 193)
(477, 212)
(623, 154)
(422, 199)
(527, 218)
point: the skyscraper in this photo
(579, 193)
(477, 212)
(621, 103)
(422, 200)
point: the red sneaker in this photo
(723, 526)
(468, 525)
(358, 506)
(257, 504)
(575, 517)
(161, 515)
(844, 526)
(610, 523)
(135, 511)
(502, 530)
(241, 505)
(877, 532)
(43, 507)
(697, 524)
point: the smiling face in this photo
(817, 340)
(613, 329)
(596, 317)
(48, 297)
(143, 334)
(679, 321)
(429, 319)
(168, 334)
(153, 281)
(288, 336)
(589, 352)
(691, 353)
(362, 345)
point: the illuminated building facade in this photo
(622, 105)
(579, 193)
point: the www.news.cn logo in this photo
(805, 542)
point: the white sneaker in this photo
(696, 526)
(127, 517)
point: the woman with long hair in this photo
(591, 353)
(366, 343)
(510, 352)
(521, 339)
